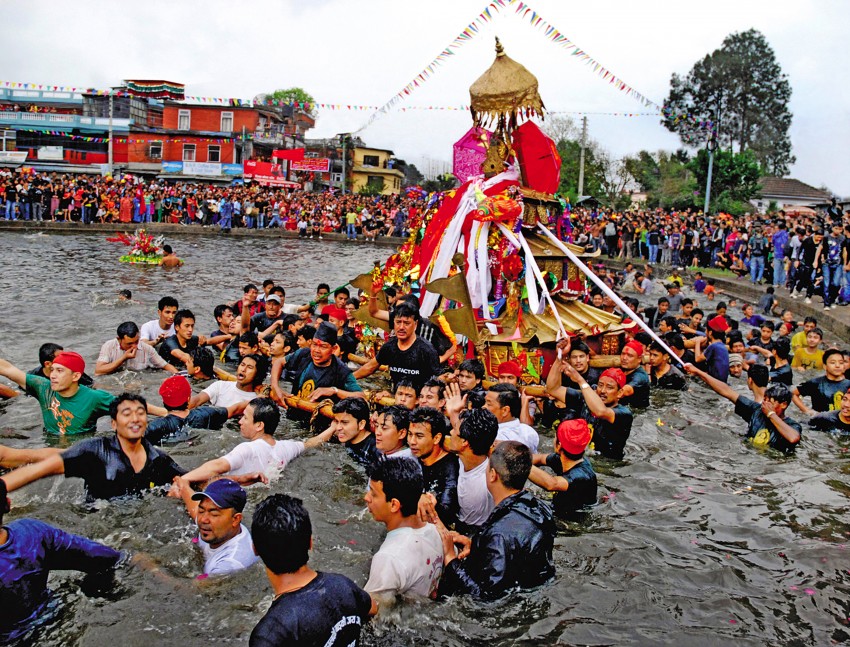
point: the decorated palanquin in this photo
(477, 257)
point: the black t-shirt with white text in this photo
(419, 363)
(329, 611)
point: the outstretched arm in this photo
(7, 369)
(27, 474)
(720, 388)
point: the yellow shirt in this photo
(808, 360)
(798, 341)
(678, 280)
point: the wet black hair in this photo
(671, 322)
(357, 408)
(817, 331)
(342, 290)
(512, 462)
(167, 249)
(439, 384)
(778, 392)
(658, 348)
(580, 346)
(126, 294)
(811, 320)
(717, 335)
(508, 396)
(249, 287)
(306, 332)
(687, 302)
(643, 337)
(203, 359)
(166, 302)
(697, 311)
(408, 383)
(782, 348)
(262, 363)
(675, 340)
(323, 286)
(267, 412)
(219, 311)
(125, 397)
(406, 309)
(127, 329)
(433, 418)
(664, 300)
(289, 320)
(251, 338)
(278, 290)
(478, 427)
(46, 352)
(829, 353)
(474, 366)
(768, 324)
(399, 415)
(759, 374)
(268, 282)
(281, 520)
(181, 315)
(401, 479)
(353, 301)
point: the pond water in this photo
(699, 538)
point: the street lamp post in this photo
(711, 145)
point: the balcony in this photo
(273, 136)
(52, 121)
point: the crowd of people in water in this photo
(445, 464)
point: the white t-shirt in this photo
(146, 356)
(232, 555)
(410, 561)
(516, 430)
(151, 330)
(474, 498)
(225, 393)
(259, 456)
(404, 452)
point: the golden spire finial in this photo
(500, 51)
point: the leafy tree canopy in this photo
(742, 90)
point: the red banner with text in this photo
(314, 164)
(267, 174)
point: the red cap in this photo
(636, 346)
(72, 361)
(615, 374)
(175, 391)
(510, 368)
(337, 313)
(574, 435)
(719, 324)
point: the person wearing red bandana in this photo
(636, 391)
(67, 407)
(609, 419)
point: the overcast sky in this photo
(364, 52)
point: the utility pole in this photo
(711, 145)
(581, 158)
(110, 132)
(344, 137)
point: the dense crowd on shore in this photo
(807, 254)
(54, 197)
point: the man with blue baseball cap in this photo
(217, 510)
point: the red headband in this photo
(74, 362)
(615, 374)
(636, 346)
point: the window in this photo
(184, 120)
(375, 182)
(226, 122)
(155, 150)
(214, 153)
(188, 152)
(371, 160)
(336, 178)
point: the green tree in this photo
(444, 182)
(300, 95)
(594, 170)
(735, 179)
(665, 178)
(740, 88)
